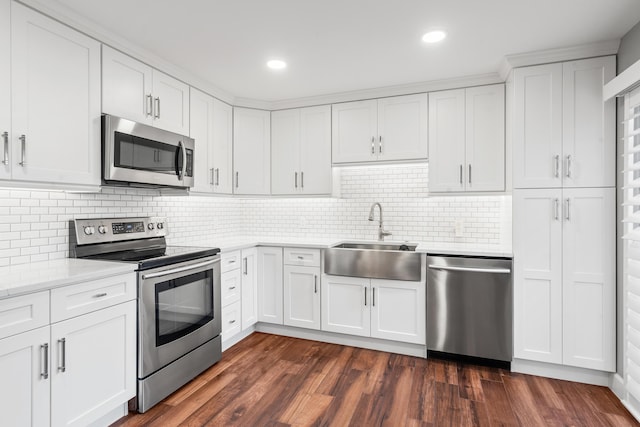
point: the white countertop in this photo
(443, 248)
(26, 278)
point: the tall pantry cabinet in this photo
(564, 214)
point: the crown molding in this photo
(609, 47)
(66, 16)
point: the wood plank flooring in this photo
(269, 380)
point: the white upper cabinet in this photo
(55, 102)
(563, 132)
(137, 92)
(589, 124)
(5, 88)
(211, 127)
(467, 139)
(251, 151)
(301, 151)
(387, 129)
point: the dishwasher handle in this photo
(471, 269)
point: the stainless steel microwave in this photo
(138, 155)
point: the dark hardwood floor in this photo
(269, 380)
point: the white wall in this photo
(34, 224)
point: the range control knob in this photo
(160, 225)
(88, 230)
(150, 226)
(102, 229)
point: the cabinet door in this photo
(484, 143)
(589, 131)
(223, 147)
(170, 103)
(402, 127)
(315, 150)
(345, 305)
(285, 152)
(537, 127)
(589, 278)
(249, 287)
(55, 92)
(398, 310)
(537, 256)
(251, 151)
(94, 369)
(446, 141)
(302, 296)
(126, 87)
(5, 88)
(201, 130)
(354, 131)
(24, 395)
(270, 285)
(231, 320)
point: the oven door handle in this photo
(178, 269)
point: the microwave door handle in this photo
(180, 166)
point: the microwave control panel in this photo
(101, 230)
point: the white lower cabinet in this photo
(564, 276)
(388, 309)
(25, 392)
(270, 285)
(249, 287)
(93, 364)
(302, 296)
(231, 320)
(77, 369)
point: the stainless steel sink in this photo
(374, 260)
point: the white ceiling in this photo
(335, 46)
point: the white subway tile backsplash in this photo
(34, 224)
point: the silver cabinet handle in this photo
(295, 179)
(568, 173)
(212, 182)
(23, 149)
(231, 288)
(5, 137)
(237, 180)
(469, 173)
(246, 266)
(45, 349)
(232, 261)
(373, 145)
(217, 176)
(373, 297)
(100, 295)
(567, 214)
(556, 203)
(315, 283)
(157, 108)
(380, 144)
(460, 174)
(302, 180)
(365, 296)
(300, 257)
(149, 106)
(232, 321)
(178, 269)
(63, 365)
(557, 162)
(470, 269)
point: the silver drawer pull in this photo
(231, 288)
(100, 295)
(300, 257)
(232, 321)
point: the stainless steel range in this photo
(179, 306)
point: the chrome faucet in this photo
(381, 231)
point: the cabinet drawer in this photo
(230, 286)
(231, 320)
(230, 261)
(71, 301)
(302, 256)
(23, 313)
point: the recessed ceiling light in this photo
(434, 36)
(276, 64)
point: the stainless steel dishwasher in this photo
(470, 306)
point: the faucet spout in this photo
(381, 231)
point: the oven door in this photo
(179, 309)
(137, 153)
